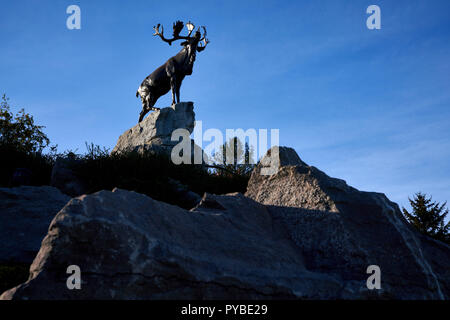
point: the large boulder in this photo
(129, 246)
(344, 230)
(293, 183)
(25, 214)
(154, 133)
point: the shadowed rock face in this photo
(154, 132)
(314, 241)
(25, 214)
(129, 246)
(65, 178)
(345, 230)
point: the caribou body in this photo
(170, 75)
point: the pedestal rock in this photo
(154, 133)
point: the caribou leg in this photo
(173, 86)
(147, 106)
(143, 113)
(177, 92)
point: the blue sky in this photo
(368, 106)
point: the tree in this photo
(19, 131)
(429, 217)
(241, 156)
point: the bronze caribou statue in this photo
(170, 75)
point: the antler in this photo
(177, 27)
(205, 41)
(204, 34)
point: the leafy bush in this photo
(21, 145)
(12, 160)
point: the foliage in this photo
(14, 159)
(150, 174)
(234, 158)
(428, 217)
(147, 173)
(20, 131)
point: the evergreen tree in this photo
(241, 155)
(429, 217)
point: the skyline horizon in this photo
(366, 106)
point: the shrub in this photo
(151, 174)
(19, 131)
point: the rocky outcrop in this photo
(129, 246)
(314, 241)
(294, 183)
(154, 133)
(345, 229)
(186, 198)
(25, 214)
